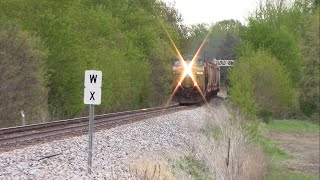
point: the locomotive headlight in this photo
(199, 72)
(188, 71)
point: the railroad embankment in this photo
(197, 143)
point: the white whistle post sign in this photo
(92, 84)
(92, 96)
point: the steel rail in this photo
(16, 129)
(78, 124)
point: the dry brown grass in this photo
(245, 161)
(145, 169)
(227, 155)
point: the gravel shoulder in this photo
(303, 146)
(114, 150)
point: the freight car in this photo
(197, 83)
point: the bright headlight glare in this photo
(199, 72)
(188, 71)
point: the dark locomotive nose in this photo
(187, 92)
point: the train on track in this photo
(194, 81)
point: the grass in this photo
(292, 126)
(276, 155)
(212, 132)
(270, 148)
(195, 168)
(279, 173)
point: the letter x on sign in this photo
(92, 97)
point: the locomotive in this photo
(196, 82)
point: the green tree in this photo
(277, 26)
(279, 41)
(22, 76)
(310, 82)
(175, 20)
(289, 30)
(122, 38)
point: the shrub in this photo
(261, 83)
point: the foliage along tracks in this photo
(26, 135)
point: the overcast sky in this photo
(211, 11)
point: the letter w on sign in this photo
(93, 78)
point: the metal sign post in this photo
(23, 119)
(91, 118)
(92, 96)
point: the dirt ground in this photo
(303, 146)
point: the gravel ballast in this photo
(113, 149)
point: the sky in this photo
(211, 11)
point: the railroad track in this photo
(78, 126)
